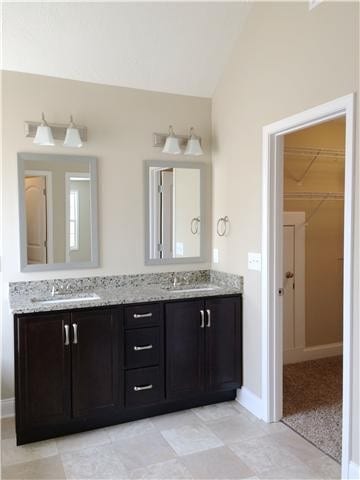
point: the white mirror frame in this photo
(203, 175)
(92, 162)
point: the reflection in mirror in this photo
(57, 211)
(174, 212)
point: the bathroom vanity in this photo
(82, 365)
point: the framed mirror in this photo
(57, 212)
(174, 205)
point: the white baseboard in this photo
(354, 471)
(312, 353)
(7, 407)
(250, 401)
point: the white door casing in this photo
(272, 209)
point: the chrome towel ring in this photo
(221, 226)
(195, 225)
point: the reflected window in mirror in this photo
(174, 204)
(58, 211)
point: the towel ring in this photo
(195, 225)
(221, 226)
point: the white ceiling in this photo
(165, 46)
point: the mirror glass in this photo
(58, 225)
(174, 206)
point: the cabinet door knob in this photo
(143, 347)
(142, 315)
(75, 330)
(202, 314)
(144, 387)
(209, 318)
(67, 342)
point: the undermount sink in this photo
(67, 298)
(190, 288)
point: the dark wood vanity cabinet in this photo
(81, 369)
(203, 346)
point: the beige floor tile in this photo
(275, 427)
(143, 450)
(130, 429)
(172, 469)
(78, 441)
(216, 411)
(295, 472)
(191, 438)
(94, 462)
(263, 454)
(326, 467)
(233, 429)
(297, 446)
(8, 427)
(12, 454)
(176, 419)
(46, 468)
(217, 463)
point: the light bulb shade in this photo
(172, 145)
(44, 136)
(72, 138)
(193, 147)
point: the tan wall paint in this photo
(120, 124)
(324, 232)
(287, 59)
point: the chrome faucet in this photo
(175, 280)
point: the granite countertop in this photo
(22, 300)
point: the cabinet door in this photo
(184, 349)
(223, 343)
(95, 361)
(43, 369)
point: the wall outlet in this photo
(216, 255)
(254, 261)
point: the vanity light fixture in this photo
(172, 143)
(72, 136)
(193, 146)
(44, 134)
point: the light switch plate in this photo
(254, 261)
(216, 255)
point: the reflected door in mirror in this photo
(36, 221)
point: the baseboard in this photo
(7, 407)
(313, 353)
(250, 401)
(354, 471)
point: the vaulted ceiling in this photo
(176, 47)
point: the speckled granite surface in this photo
(122, 289)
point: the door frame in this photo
(297, 219)
(49, 210)
(271, 278)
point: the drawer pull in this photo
(209, 318)
(145, 387)
(75, 329)
(142, 315)
(144, 347)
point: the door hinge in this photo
(44, 191)
(160, 247)
(281, 292)
(160, 189)
(45, 243)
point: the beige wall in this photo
(287, 59)
(324, 232)
(120, 124)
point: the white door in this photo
(289, 287)
(35, 199)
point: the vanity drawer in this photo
(143, 386)
(142, 315)
(142, 347)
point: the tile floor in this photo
(222, 441)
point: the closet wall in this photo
(324, 230)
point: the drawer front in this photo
(142, 315)
(142, 347)
(143, 386)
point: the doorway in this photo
(313, 232)
(272, 258)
